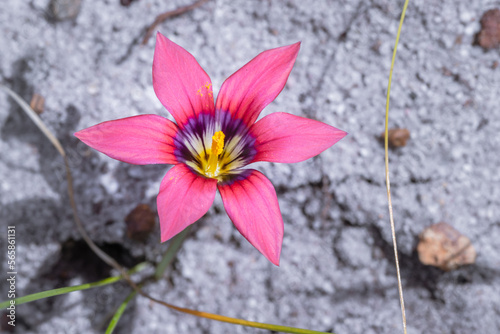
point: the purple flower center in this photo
(230, 139)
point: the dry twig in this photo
(387, 179)
(172, 13)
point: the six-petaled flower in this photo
(210, 143)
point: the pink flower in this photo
(210, 143)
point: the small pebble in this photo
(397, 137)
(64, 9)
(444, 247)
(37, 103)
(489, 36)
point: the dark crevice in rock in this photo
(131, 46)
(18, 124)
(78, 260)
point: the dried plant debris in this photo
(37, 103)
(397, 137)
(126, 3)
(172, 13)
(444, 247)
(140, 222)
(489, 35)
(61, 10)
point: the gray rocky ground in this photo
(337, 271)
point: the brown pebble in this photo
(37, 103)
(140, 222)
(376, 46)
(446, 71)
(489, 35)
(64, 9)
(444, 247)
(397, 137)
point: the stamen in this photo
(218, 142)
(216, 150)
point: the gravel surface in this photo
(337, 270)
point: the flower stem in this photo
(172, 250)
(119, 312)
(388, 183)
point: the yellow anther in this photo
(215, 151)
(218, 142)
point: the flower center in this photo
(212, 167)
(215, 146)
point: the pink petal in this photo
(139, 140)
(282, 137)
(245, 93)
(252, 205)
(183, 199)
(180, 83)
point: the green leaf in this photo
(119, 312)
(172, 250)
(62, 291)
